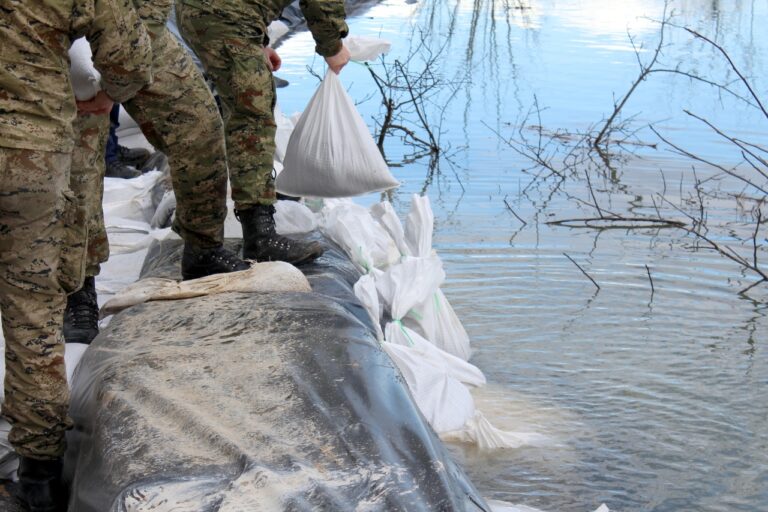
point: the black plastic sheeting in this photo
(247, 402)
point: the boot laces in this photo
(224, 258)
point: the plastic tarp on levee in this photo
(253, 401)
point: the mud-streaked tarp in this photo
(249, 402)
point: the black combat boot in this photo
(156, 162)
(135, 157)
(40, 486)
(81, 318)
(200, 262)
(118, 169)
(262, 243)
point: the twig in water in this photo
(645, 69)
(733, 67)
(758, 221)
(513, 211)
(729, 172)
(618, 222)
(653, 290)
(582, 271)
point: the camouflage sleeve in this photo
(154, 14)
(325, 19)
(121, 48)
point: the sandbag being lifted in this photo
(331, 152)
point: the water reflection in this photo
(652, 400)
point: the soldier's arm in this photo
(326, 21)
(121, 48)
(154, 14)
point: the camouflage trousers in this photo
(179, 116)
(34, 201)
(87, 184)
(232, 53)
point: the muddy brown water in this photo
(651, 391)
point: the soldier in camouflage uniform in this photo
(179, 116)
(230, 38)
(36, 140)
(81, 316)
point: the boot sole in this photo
(309, 258)
(186, 276)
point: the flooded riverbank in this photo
(652, 389)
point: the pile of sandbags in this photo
(416, 325)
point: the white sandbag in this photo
(365, 291)
(460, 370)
(282, 134)
(479, 431)
(433, 318)
(436, 320)
(331, 153)
(362, 48)
(276, 30)
(503, 506)
(163, 215)
(128, 237)
(271, 276)
(408, 283)
(385, 215)
(292, 217)
(419, 225)
(86, 80)
(131, 199)
(327, 204)
(445, 402)
(366, 243)
(123, 269)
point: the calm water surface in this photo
(651, 401)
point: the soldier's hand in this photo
(273, 59)
(101, 104)
(338, 61)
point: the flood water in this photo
(653, 391)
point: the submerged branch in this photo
(583, 271)
(618, 223)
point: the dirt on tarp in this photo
(250, 402)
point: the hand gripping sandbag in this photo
(331, 152)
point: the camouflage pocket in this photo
(74, 243)
(250, 76)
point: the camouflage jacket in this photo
(37, 105)
(325, 18)
(154, 14)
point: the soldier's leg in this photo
(32, 206)
(81, 317)
(233, 57)
(178, 115)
